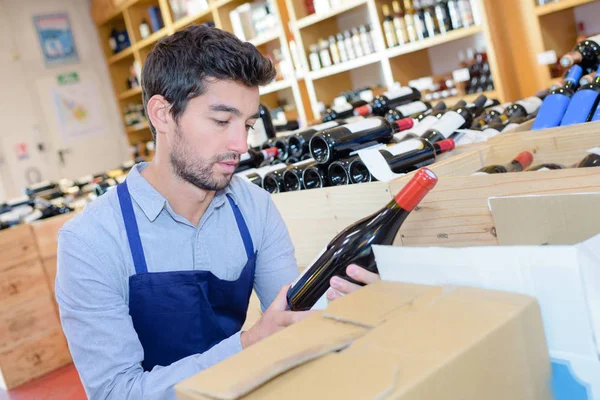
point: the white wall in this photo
(25, 113)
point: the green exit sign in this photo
(68, 78)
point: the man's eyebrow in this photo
(225, 108)
(255, 116)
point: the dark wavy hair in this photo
(180, 64)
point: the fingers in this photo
(342, 285)
(333, 294)
(280, 303)
(360, 274)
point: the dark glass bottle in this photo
(336, 143)
(315, 177)
(298, 142)
(338, 171)
(353, 244)
(254, 158)
(545, 167)
(389, 100)
(292, 176)
(583, 103)
(342, 111)
(585, 53)
(521, 162)
(591, 160)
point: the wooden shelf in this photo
(150, 40)
(431, 42)
(137, 127)
(219, 3)
(345, 66)
(275, 87)
(316, 18)
(117, 11)
(130, 93)
(266, 38)
(561, 5)
(128, 52)
(181, 22)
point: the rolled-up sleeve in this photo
(103, 342)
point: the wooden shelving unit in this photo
(561, 5)
(308, 90)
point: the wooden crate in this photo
(455, 213)
(17, 245)
(46, 233)
(22, 282)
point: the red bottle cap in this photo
(405, 124)
(364, 111)
(271, 152)
(416, 189)
(525, 159)
(446, 145)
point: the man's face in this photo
(205, 146)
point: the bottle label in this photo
(461, 75)
(468, 136)
(377, 165)
(307, 269)
(258, 135)
(412, 108)
(339, 108)
(424, 125)
(509, 127)
(595, 150)
(531, 104)
(544, 169)
(399, 92)
(245, 157)
(404, 147)
(368, 123)
(449, 123)
(489, 132)
(323, 126)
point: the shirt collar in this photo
(152, 202)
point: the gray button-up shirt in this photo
(94, 266)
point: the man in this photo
(154, 277)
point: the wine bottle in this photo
(338, 171)
(358, 172)
(585, 54)
(454, 119)
(487, 116)
(315, 177)
(338, 142)
(409, 20)
(514, 113)
(521, 162)
(466, 13)
(414, 109)
(281, 144)
(293, 176)
(415, 159)
(591, 160)
(454, 14)
(388, 27)
(443, 16)
(342, 111)
(555, 104)
(429, 17)
(545, 167)
(583, 104)
(298, 142)
(273, 181)
(399, 23)
(419, 17)
(353, 244)
(587, 79)
(263, 129)
(430, 120)
(144, 29)
(254, 158)
(388, 100)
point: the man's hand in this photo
(340, 286)
(273, 320)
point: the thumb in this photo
(280, 303)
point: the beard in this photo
(198, 170)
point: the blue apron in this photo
(180, 313)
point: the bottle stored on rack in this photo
(591, 160)
(342, 110)
(338, 142)
(353, 244)
(389, 100)
(338, 171)
(585, 53)
(521, 162)
(429, 17)
(263, 129)
(144, 29)
(292, 176)
(454, 14)
(587, 79)
(388, 27)
(419, 17)
(399, 23)
(430, 120)
(315, 177)
(409, 20)
(334, 50)
(341, 45)
(583, 104)
(443, 16)
(555, 104)
(254, 158)
(298, 142)
(545, 167)
(466, 13)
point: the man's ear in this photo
(158, 113)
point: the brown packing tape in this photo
(245, 371)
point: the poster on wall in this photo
(56, 39)
(77, 107)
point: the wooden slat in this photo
(49, 265)
(314, 217)
(27, 320)
(46, 233)
(34, 358)
(21, 283)
(456, 212)
(17, 245)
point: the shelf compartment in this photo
(201, 17)
(316, 18)
(266, 38)
(560, 6)
(123, 54)
(152, 39)
(275, 87)
(431, 42)
(137, 127)
(130, 93)
(345, 66)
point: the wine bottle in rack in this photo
(587, 79)
(520, 163)
(353, 244)
(409, 20)
(315, 177)
(388, 27)
(429, 17)
(443, 17)
(419, 16)
(454, 14)
(487, 116)
(338, 142)
(263, 128)
(583, 104)
(545, 167)
(591, 160)
(341, 111)
(281, 144)
(292, 176)
(416, 109)
(254, 158)
(388, 100)
(585, 53)
(298, 142)
(555, 104)
(399, 23)
(338, 171)
(358, 172)
(428, 122)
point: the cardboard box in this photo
(565, 279)
(397, 341)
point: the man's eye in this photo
(221, 123)
(249, 127)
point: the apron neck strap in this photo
(243, 228)
(131, 226)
